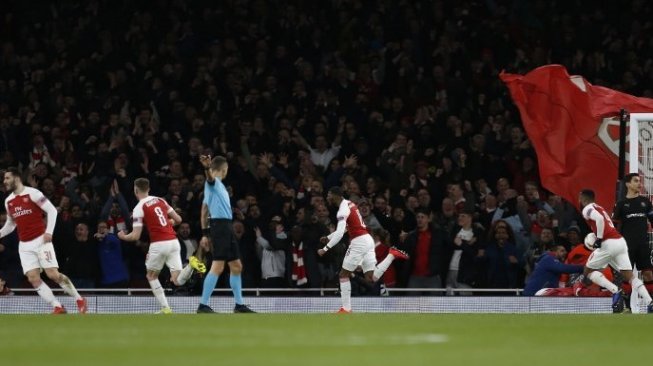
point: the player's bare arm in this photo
(174, 217)
(204, 223)
(133, 236)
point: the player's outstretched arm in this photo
(8, 227)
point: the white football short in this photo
(36, 254)
(166, 252)
(613, 252)
(360, 253)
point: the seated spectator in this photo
(548, 269)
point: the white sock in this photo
(638, 286)
(345, 293)
(598, 278)
(159, 293)
(382, 266)
(184, 275)
(68, 287)
(46, 294)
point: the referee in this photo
(219, 231)
(633, 212)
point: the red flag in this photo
(574, 127)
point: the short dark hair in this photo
(336, 191)
(423, 210)
(589, 194)
(14, 171)
(629, 177)
(142, 184)
(217, 162)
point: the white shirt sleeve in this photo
(591, 213)
(10, 224)
(342, 215)
(137, 215)
(44, 203)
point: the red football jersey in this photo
(355, 224)
(153, 212)
(609, 231)
(25, 210)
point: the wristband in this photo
(326, 249)
(206, 232)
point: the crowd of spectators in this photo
(398, 102)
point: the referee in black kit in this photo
(216, 221)
(633, 214)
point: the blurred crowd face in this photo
(423, 221)
(81, 232)
(184, 230)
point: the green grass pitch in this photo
(325, 339)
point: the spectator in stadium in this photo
(4, 290)
(502, 259)
(464, 251)
(273, 256)
(113, 271)
(425, 246)
(81, 261)
(548, 269)
(188, 243)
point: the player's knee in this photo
(369, 277)
(34, 279)
(151, 276)
(236, 267)
(54, 276)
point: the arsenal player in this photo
(25, 208)
(158, 216)
(361, 246)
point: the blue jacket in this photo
(547, 273)
(111, 262)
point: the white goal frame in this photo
(633, 158)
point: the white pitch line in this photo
(427, 338)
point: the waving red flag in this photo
(574, 127)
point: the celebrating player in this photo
(25, 207)
(633, 214)
(361, 247)
(610, 249)
(158, 216)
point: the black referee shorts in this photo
(640, 254)
(225, 245)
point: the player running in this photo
(610, 249)
(361, 246)
(25, 208)
(158, 216)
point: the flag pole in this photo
(623, 118)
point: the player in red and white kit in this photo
(158, 216)
(610, 249)
(361, 247)
(25, 208)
